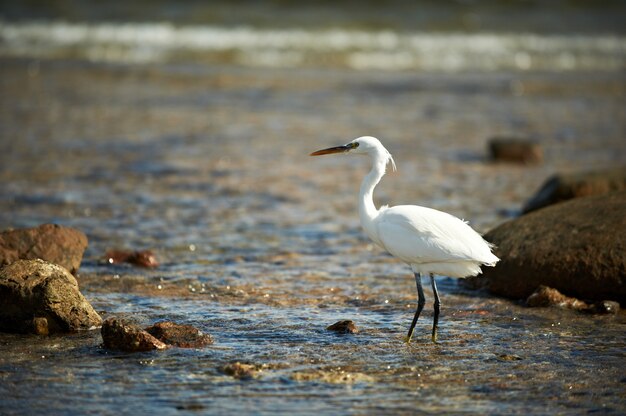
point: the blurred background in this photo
(184, 127)
(393, 35)
(130, 95)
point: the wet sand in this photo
(260, 245)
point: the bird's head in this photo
(366, 145)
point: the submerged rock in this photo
(183, 336)
(143, 258)
(515, 150)
(118, 334)
(576, 247)
(333, 375)
(508, 357)
(193, 406)
(50, 242)
(344, 327)
(42, 297)
(240, 370)
(562, 187)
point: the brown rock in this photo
(562, 187)
(547, 296)
(193, 407)
(184, 336)
(508, 357)
(118, 334)
(344, 327)
(35, 288)
(576, 247)
(515, 150)
(144, 258)
(50, 242)
(40, 326)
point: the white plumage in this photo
(432, 242)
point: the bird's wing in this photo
(424, 235)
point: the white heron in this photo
(431, 242)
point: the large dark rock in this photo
(118, 334)
(562, 187)
(41, 297)
(50, 242)
(577, 247)
(183, 336)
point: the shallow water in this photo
(260, 245)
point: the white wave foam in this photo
(381, 50)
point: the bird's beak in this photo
(330, 150)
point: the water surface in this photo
(260, 245)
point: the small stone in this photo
(118, 334)
(508, 357)
(343, 327)
(515, 150)
(240, 370)
(183, 336)
(40, 326)
(605, 307)
(547, 296)
(144, 258)
(191, 407)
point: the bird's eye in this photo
(354, 145)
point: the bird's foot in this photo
(407, 339)
(434, 337)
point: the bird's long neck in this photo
(367, 209)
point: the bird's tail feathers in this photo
(493, 259)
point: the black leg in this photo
(437, 305)
(420, 305)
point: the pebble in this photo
(143, 258)
(344, 327)
(179, 335)
(516, 150)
